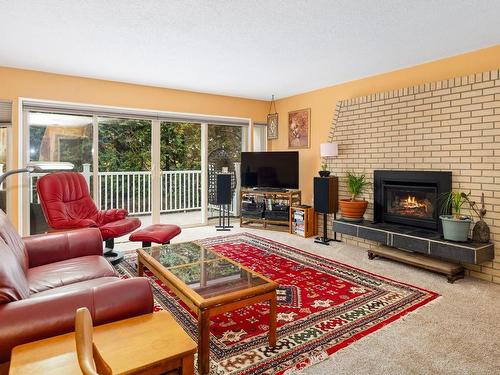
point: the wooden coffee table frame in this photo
(205, 308)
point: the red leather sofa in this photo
(45, 278)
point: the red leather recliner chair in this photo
(66, 204)
(45, 278)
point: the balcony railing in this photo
(180, 191)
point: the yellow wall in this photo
(15, 83)
(322, 102)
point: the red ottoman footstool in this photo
(157, 233)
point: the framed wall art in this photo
(299, 128)
(272, 126)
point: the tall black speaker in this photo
(223, 199)
(326, 198)
(223, 195)
(326, 201)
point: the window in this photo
(260, 137)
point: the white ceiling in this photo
(248, 48)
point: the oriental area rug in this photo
(323, 306)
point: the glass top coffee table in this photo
(209, 284)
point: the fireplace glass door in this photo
(410, 204)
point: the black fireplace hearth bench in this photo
(421, 242)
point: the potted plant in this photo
(455, 226)
(351, 208)
(324, 172)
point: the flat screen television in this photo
(275, 169)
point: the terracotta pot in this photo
(352, 210)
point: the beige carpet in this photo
(458, 333)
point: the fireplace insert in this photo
(411, 198)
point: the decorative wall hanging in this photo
(299, 128)
(272, 121)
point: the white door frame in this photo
(204, 173)
(8, 166)
(95, 159)
(155, 171)
(23, 178)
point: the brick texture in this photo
(451, 125)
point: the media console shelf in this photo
(257, 217)
(303, 221)
(423, 248)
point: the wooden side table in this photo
(303, 221)
(128, 346)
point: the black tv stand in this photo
(278, 190)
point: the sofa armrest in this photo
(57, 246)
(37, 318)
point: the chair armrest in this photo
(74, 224)
(35, 318)
(113, 214)
(57, 246)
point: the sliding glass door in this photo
(57, 137)
(160, 171)
(181, 173)
(124, 161)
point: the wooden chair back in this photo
(89, 359)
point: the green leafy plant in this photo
(455, 200)
(356, 184)
(324, 167)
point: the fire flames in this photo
(411, 202)
(412, 206)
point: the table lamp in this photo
(327, 150)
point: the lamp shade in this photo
(329, 149)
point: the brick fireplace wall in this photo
(451, 125)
